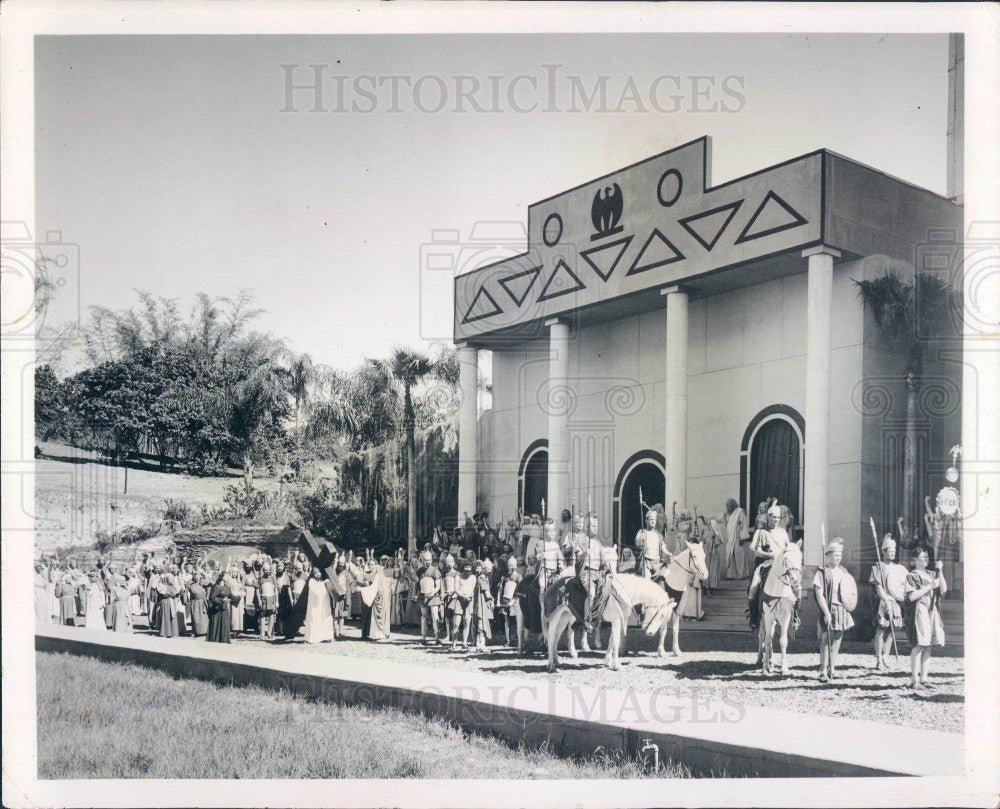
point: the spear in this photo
(829, 603)
(884, 575)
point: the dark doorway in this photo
(775, 466)
(648, 476)
(535, 483)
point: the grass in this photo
(112, 720)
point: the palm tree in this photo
(302, 374)
(908, 313)
(409, 368)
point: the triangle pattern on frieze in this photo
(519, 284)
(605, 259)
(773, 215)
(658, 251)
(563, 281)
(483, 306)
(707, 227)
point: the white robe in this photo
(319, 613)
(95, 608)
(739, 560)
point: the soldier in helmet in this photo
(429, 596)
(547, 555)
(836, 595)
(650, 543)
(888, 580)
(583, 592)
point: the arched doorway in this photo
(533, 477)
(643, 470)
(772, 457)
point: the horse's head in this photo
(697, 551)
(791, 565)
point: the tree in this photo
(909, 313)
(48, 403)
(257, 399)
(409, 368)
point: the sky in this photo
(182, 164)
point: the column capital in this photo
(465, 344)
(821, 249)
(556, 321)
(674, 288)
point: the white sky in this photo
(169, 161)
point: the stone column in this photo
(675, 434)
(819, 319)
(558, 406)
(468, 443)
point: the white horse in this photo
(627, 591)
(784, 580)
(680, 574)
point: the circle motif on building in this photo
(552, 230)
(948, 500)
(668, 190)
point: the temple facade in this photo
(702, 342)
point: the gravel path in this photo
(713, 665)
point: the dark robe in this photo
(531, 607)
(198, 607)
(220, 614)
(285, 606)
(167, 624)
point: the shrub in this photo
(176, 511)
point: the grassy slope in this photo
(77, 494)
(106, 720)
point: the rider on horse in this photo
(768, 543)
(586, 585)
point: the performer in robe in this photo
(833, 589)
(66, 593)
(376, 595)
(198, 605)
(924, 628)
(220, 610)
(166, 607)
(283, 581)
(94, 612)
(738, 557)
(532, 537)
(714, 542)
(888, 582)
(121, 607)
(317, 625)
(687, 532)
(482, 605)
(651, 544)
(43, 608)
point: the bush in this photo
(177, 511)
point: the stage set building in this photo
(706, 342)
